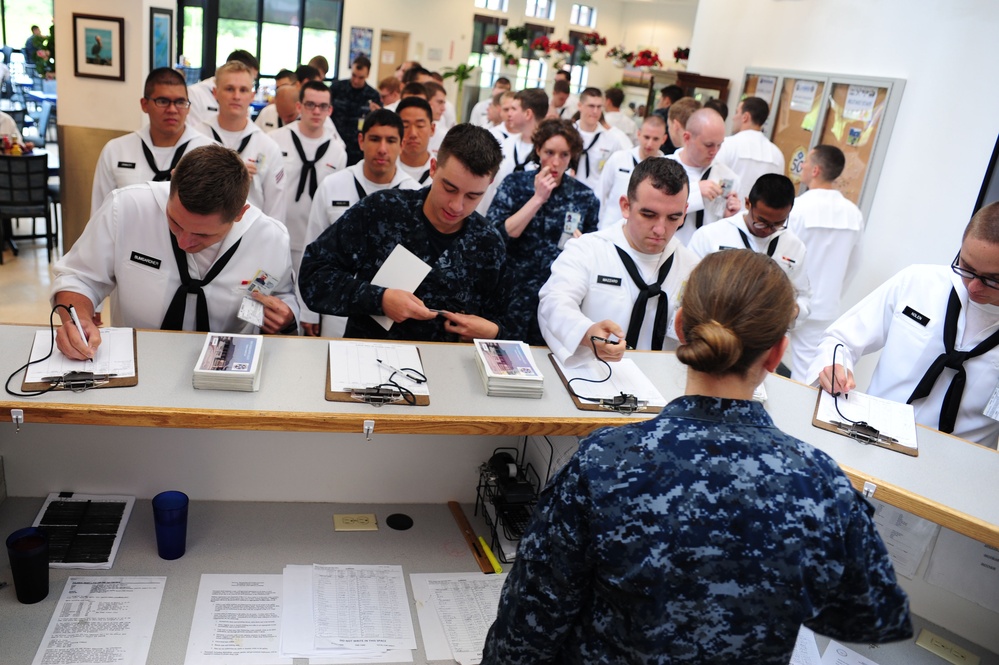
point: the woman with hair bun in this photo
(705, 534)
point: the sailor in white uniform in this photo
(598, 143)
(748, 152)
(233, 129)
(154, 151)
(310, 154)
(832, 227)
(938, 332)
(622, 284)
(381, 142)
(619, 167)
(415, 158)
(178, 255)
(204, 105)
(762, 228)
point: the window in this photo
(541, 9)
(495, 5)
(489, 65)
(20, 15)
(532, 72)
(281, 33)
(583, 15)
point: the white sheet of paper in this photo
(361, 605)
(860, 102)
(102, 620)
(905, 535)
(626, 377)
(806, 651)
(837, 654)
(115, 355)
(966, 567)
(298, 627)
(401, 270)
(355, 365)
(803, 95)
(455, 611)
(237, 621)
(892, 419)
(765, 86)
(129, 501)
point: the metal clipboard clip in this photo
(863, 433)
(377, 396)
(78, 382)
(624, 403)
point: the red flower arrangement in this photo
(593, 39)
(559, 46)
(681, 53)
(491, 40)
(542, 43)
(647, 58)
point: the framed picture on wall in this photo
(160, 37)
(99, 47)
(360, 42)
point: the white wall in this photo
(946, 127)
(99, 103)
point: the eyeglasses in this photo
(990, 282)
(312, 106)
(761, 225)
(163, 102)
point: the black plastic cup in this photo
(170, 518)
(28, 550)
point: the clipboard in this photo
(114, 382)
(865, 435)
(622, 408)
(369, 395)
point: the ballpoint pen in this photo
(414, 379)
(79, 326)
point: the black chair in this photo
(17, 115)
(24, 193)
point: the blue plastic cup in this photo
(170, 518)
(28, 550)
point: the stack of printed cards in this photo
(507, 369)
(229, 362)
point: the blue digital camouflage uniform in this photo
(705, 535)
(338, 267)
(350, 107)
(530, 257)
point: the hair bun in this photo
(711, 348)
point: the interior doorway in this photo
(393, 49)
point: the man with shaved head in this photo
(713, 186)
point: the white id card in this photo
(992, 408)
(251, 311)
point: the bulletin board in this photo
(854, 113)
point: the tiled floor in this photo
(24, 281)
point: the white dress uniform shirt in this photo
(750, 154)
(598, 146)
(269, 121)
(714, 209)
(480, 113)
(614, 181)
(267, 186)
(335, 195)
(515, 152)
(122, 161)
(623, 122)
(788, 251)
(296, 216)
(421, 174)
(904, 318)
(125, 252)
(831, 227)
(589, 283)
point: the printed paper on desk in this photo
(837, 654)
(966, 567)
(401, 270)
(115, 355)
(626, 377)
(891, 418)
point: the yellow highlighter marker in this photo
(497, 568)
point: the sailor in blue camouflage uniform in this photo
(463, 296)
(705, 535)
(537, 212)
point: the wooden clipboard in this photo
(348, 396)
(879, 442)
(593, 406)
(117, 382)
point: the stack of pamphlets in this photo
(507, 368)
(229, 362)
